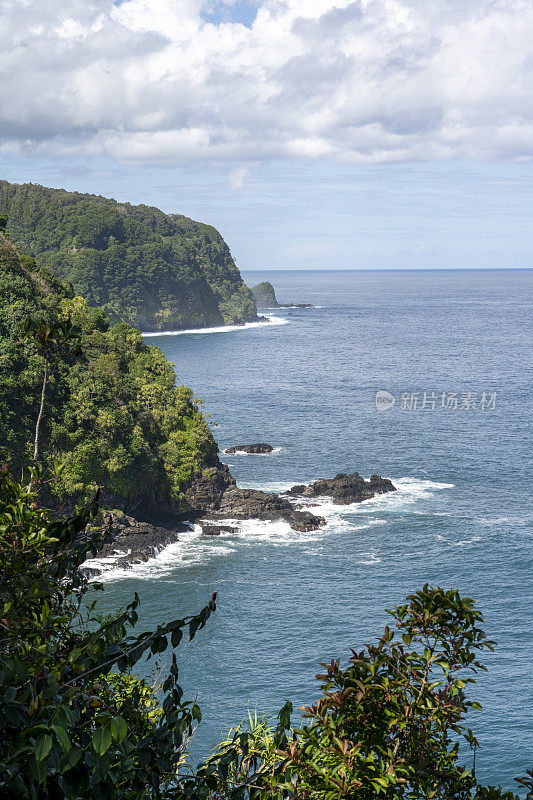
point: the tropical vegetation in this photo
(77, 723)
(77, 390)
(153, 270)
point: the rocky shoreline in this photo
(214, 501)
(250, 449)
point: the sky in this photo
(312, 133)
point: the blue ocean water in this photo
(462, 517)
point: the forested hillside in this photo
(111, 412)
(156, 271)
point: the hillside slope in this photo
(113, 414)
(153, 270)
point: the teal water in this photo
(462, 516)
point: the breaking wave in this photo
(272, 320)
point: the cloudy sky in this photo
(312, 133)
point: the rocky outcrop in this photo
(265, 297)
(264, 294)
(206, 490)
(344, 489)
(295, 305)
(214, 495)
(214, 500)
(134, 541)
(251, 449)
(210, 528)
(238, 503)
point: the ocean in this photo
(450, 354)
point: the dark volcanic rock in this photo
(215, 529)
(296, 305)
(253, 504)
(345, 489)
(252, 449)
(214, 500)
(135, 541)
(207, 488)
(214, 495)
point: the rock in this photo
(264, 294)
(252, 449)
(296, 305)
(238, 503)
(206, 489)
(213, 529)
(214, 495)
(135, 541)
(213, 498)
(345, 489)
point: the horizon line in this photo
(386, 269)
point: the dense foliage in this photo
(389, 724)
(112, 412)
(71, 726)
(150, 269)
(76, 723)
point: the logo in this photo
(384, 400)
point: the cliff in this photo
(264, 295)
(113, 415)
(155, 271)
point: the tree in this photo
(49, 335)
(68, 729)
(388, 725)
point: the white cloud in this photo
(362, 82)
(238, 176)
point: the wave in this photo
(273, 320)
(162, 563)
(193, 548)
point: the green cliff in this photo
(264, 295)
(153, 270)
(112, 413)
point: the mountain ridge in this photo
(155, 271)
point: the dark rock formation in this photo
(265, 297)
(215, 529)
(214, 495)
(264, 294)
(238, 503)
(345, 489)
(296, 305)
(135, 541)
(252, 449)
(214, 499)
(206, 490)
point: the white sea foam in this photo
(161, 564)
(276, 532)
(193, 548)
(369, 559)
(272, 320)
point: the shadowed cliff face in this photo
(156, 271)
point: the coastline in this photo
(261, 323)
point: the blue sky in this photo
(313, 134)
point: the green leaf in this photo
(42, 747)
(101, 741)
(119, 729)
(62, 737)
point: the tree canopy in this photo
(112, 414)
(156, 271)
